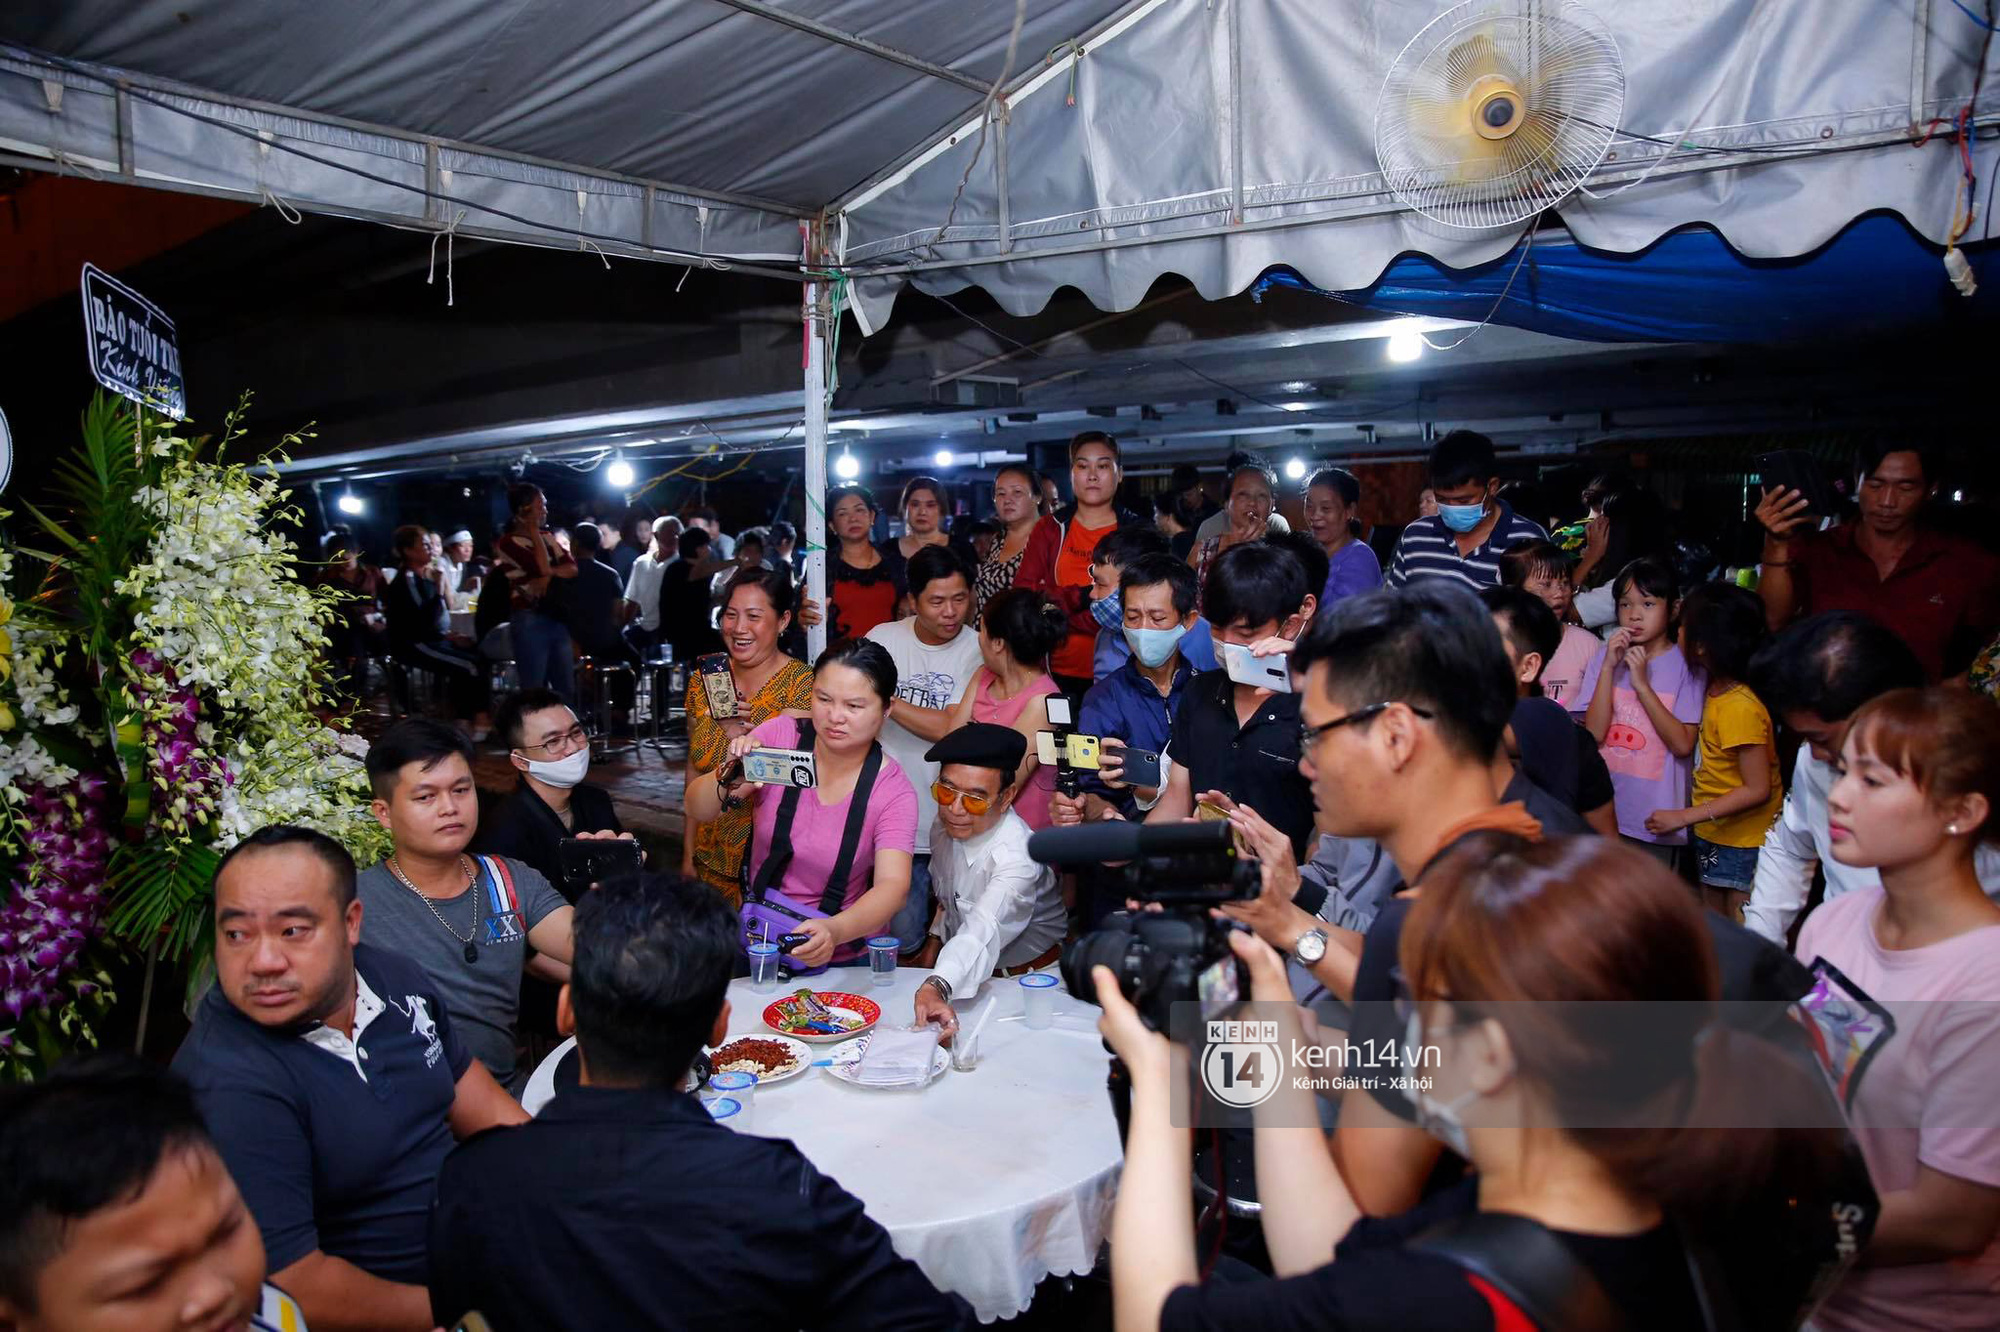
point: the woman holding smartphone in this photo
(853, 684)
(756, 611)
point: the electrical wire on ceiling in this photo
(720, 262)
(985, 124)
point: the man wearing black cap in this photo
(998, 912)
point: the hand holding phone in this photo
(1246, 667)
(781, 767)
(720, 684)
(588, 861)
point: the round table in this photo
(989, 1180)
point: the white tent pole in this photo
(817, 334)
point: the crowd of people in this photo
(1488, 773)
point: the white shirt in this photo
(367, 1007)
(642, 589)
(1798, 841)
(927, 676)
(454, 574)
(996, 907)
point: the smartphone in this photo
(1272, 673)
(1210, 812)
(1082, 751)
(781, 767)
(1795, 469)
(1219, 987)
(472, 1322)
(721, 686)
(1142, 768)
(584, 861)
(1061, 715)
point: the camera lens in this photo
(1111, 947)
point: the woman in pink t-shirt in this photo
(1018, 631)
(852, 685)
(1907, 1007)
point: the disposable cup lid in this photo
(1038, 980)
(732, 1081)
(885, 941)
(722, 1107)
(759, 949)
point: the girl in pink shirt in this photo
(1907, 1007)
(1018, 631)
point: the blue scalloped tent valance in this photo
(1875, 277)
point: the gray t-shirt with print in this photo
(481, 996)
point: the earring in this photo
(1951, 828)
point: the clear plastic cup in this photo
(727, 1110)
(964, 1050)
(738, 1087)
(1038, 1000)
(882, 950)
(763, 967)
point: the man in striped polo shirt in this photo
(1473, 524)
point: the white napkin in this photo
(897, 1057)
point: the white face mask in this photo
(562, 772)
(1439, 1119)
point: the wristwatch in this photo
(1310, 948)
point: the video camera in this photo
(1174, 955)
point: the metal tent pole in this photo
(817, 335)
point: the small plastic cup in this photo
(727, 1110)
(763, 967)
(964, 1050)
(1038, 1000)
(882, 950)
(738, 1087)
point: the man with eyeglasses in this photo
(998, 912)
(550, 749)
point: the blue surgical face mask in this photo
(1154, 646)
(1461, 517)
(1109, 611)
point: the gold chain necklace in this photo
(471, 949)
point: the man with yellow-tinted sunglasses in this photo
(998, 913)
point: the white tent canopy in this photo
(1208, 138)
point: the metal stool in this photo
(667, 715)
(604, 680)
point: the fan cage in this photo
(1571, 81)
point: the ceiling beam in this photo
(852, 41)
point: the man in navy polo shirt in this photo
(1462, 543)
(332, 1081)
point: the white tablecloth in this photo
(990, 1180)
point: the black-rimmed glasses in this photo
(568, 742)
(1310, 734)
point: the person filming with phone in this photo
(1940, 594)
(550, 749)
(845, 832)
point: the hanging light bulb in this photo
(942, 457)
(350, 503)
(1405, 344)
(1295, 469)
(845, 467)
(619, 474)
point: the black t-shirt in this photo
(1377, 1284)
(684, 611)
(1256, 764)
(588, 604)
(1546, 737)
(525, 828)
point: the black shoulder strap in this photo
(780, 854)
(850, 835)
(1524, 1261)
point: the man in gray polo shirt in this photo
(473, 923)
